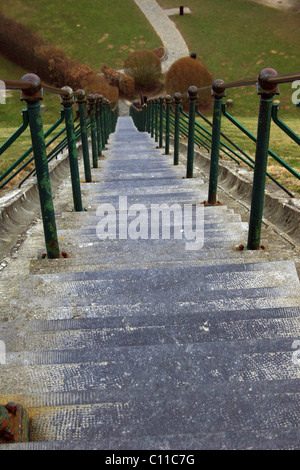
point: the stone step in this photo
(70, 308)
(184, 197)
(210, 225)
(217, 247)
(145, 330)
(127, 260)
(149, 343)
(119, 373)
(182, 284)
(128, 187)
(234, 232)
(160, 316)
(185, 411)
(219, 213)
(97, 176)
(137, 172)
(270, 439)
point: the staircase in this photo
(142, 344)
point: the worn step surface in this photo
(143, 343)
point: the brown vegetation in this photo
(124, 83)
(30, 51)
(145, 68)
(186, 72)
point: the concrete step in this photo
(219, 213)
(210, 234)
(129, 187)
(177, 284)
(81, 307)
(141, 343)
(210, 225)
(186, 410)
(270, 439)
(214, 247)
(184, 197)
(124, 260)
(98, 176)
(145, 330)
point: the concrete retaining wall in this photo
(19, 207)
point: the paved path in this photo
(293, 5)
(174, 43)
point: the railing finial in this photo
(263, 85)
(35, 92)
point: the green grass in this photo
(234, 38)
(280, 144)
(237, 38)
(11, 117)
(93, 32)
(10, 113)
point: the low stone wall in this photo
(19, 207)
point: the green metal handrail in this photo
(16, 134)
(32, 92)
(163, 121)
(254, 139)
(283, 126)
(28, 152)
(54, 152)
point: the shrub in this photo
(124, 83)
(144, 67)
(159, 51)
(99, 84)
(186, 72)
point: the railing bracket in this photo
(14, 424)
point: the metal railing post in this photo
(81, 100)
(177, 99)
(161, 120)
(98, 124)
(109, 113)
(101, 108)
(168, 106)
(152, 119)
(144, 115)
(192, 92)
(67, 101)
(156, 101)
(107, 107)
(148, 104)
(104, 114)
(32, 96)
(92, 105)
(218, 94)
(266, 91)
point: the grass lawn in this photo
(11, 116)
(236, 39)
(280, 144)
(10, 113)
(94, 32)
